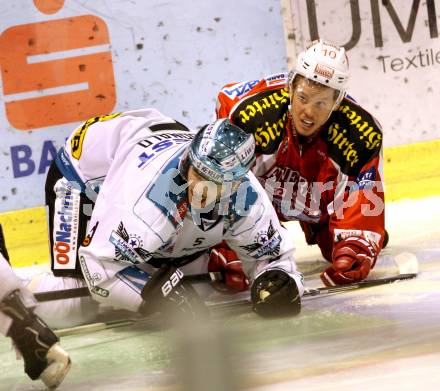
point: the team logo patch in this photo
(266, 243)
(128, 248)
(88, 239)
(66, 222)
(370, 236)
(76, 143)
(240, 89)
(91, 280)
(366, 179)
(277, 79)
(324, 71)
(135, 278)
(246, 151)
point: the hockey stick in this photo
(84, 291)
(210, 277)
(357, 285)
(233, 305)
(407, 264)
(217, 276)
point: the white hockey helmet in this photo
(325, 63)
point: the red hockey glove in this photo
(223, 259)
(352, 260)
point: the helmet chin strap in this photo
(338, 102)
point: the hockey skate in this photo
(58, 364)
(43, 357)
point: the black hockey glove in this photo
(166, 293)
(274, 293)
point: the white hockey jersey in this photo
(142, 217)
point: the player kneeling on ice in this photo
(43, 357)
(166, 196)
(319, 157)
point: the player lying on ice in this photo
(165, 197)
(43, 357)
(319, 158)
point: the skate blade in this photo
(59, 366)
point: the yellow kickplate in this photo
(412, 171)
(26, 236)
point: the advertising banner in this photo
(63, 62)
(394, 52)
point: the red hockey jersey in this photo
(334, 177)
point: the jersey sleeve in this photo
(355, 153)
(232, 94)
(226, 99)
(116, 244)
(358, 208)
(258, 238)
(260, 108)
(126, 227)
(92, 147)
